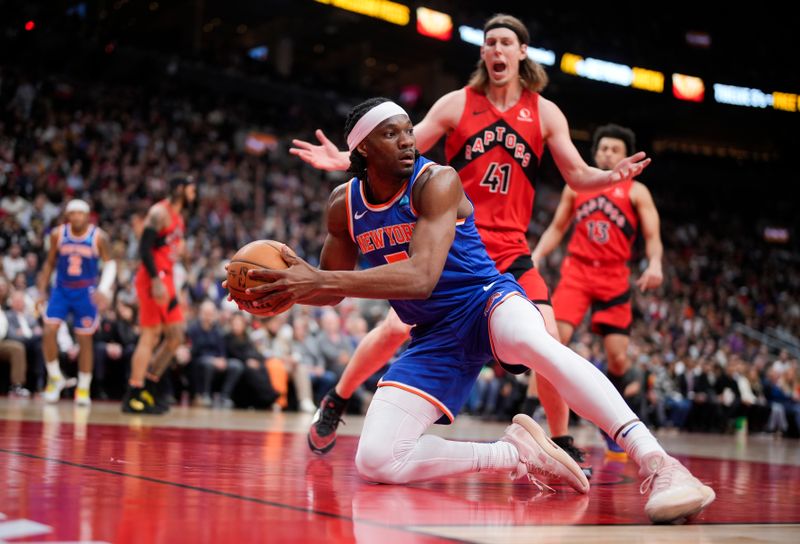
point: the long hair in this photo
(615, 131)
(531, 75)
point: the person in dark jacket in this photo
(114, 343)
(210, 359)
(255, 388)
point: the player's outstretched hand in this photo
(651, 278)
(324, 157)
(629, 167)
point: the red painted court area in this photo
(122, 484)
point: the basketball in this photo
(258, 254)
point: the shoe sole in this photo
(68, 382)
(127, 409)
(677, 513)
(681, 512)
(317, 450)
(142, 413)
(553, 450)
(710, 496)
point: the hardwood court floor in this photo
(200, 475)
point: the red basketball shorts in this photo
(152, 313)
(603, 288)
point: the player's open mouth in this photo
(407, 159)
(498, 68)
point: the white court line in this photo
(20, 528)
(23, 527)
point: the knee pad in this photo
(376, 461)
(372, 461)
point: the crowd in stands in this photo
(114, 146)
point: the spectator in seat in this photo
(255, 388)
(209, 358)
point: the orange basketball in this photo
(258, 254)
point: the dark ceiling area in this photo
(320, 48)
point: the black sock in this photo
(529, 405)
(336, 398)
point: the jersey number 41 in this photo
(497, 178)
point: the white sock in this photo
(638, 441)
(84, 380)
(519, 337)
(54, 370)
(497, 456)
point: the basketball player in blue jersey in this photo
(76, 248)
(415, 226)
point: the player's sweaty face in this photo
(391, 146)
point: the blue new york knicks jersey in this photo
(78, 259)
(450, 342)
(383, 233)
(76, 277)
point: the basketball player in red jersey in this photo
(595, 274)
(159, 312)
(496, 129)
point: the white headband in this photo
(370, 120)
(78, 205)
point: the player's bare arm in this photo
(339, 252)
(650, 223)
(104, 294)
(557, 228)
(157, 218)
(580, 176)
(437, 200)
(442, 117)
(47, 268)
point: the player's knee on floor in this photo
(376, 462)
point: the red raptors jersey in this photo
(497, 155)
(169, 240)
(605, 224)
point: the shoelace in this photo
(534, 468)
(659, 470)
(540, 484)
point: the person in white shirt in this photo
(14, 352)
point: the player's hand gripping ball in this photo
(255, 255)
